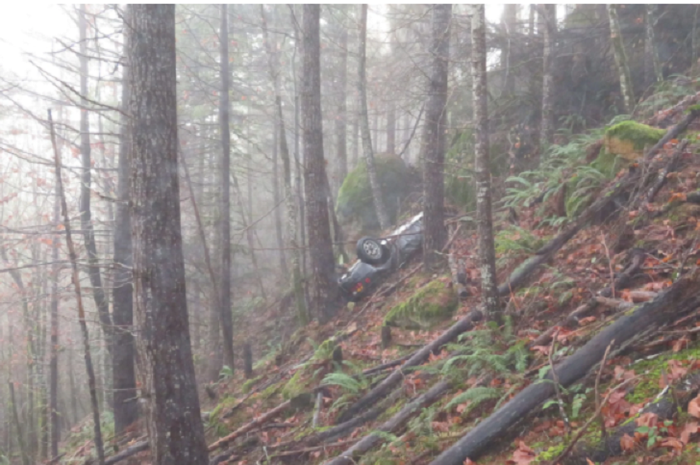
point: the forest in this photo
(228, 237)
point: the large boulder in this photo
(431, 304)
(355, 205)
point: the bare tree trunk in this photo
(81, 312)
(53, 357)
(652, 68)
(509, 21)
(225, 300)
(487, 256)
(547, 124)
(291, 240)
(123, 369)
(18, 426)
(435, 233)
(341, 120)
(323, 291)
(621, 60)
(85, 185)
(379, 206)
(169, 387)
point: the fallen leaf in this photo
(523, 455)
(587, 320)
(694, 407)
(688, 430)
(672, 443)
(648, 419)
(627, 443)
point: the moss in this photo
(629, 138)
(355, 204)
(294, 386)
(693, 108)
(250, 383)
(430, 304)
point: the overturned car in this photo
(378, 258)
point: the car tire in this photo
(370, 250)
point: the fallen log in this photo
(379, 391)
(665, 407)
(387, 365)
(128, 452)
(270, 414)
(673, 133)
(679, 298)
(366, 443)
(663, 174)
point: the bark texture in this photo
(323, 288)
(549, 26)
(435, 234)
(621, 59)
(487, 255)
(652, 68)
(168, 386)
(123, 370)
(225, 314)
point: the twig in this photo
(612, 273)
(315, 448)
(614, 303)
(555, 378)
(598, 407)
(583, 429)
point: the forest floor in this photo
(310, 402)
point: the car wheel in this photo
(371, 251)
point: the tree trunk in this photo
(341, 120)
(323, 287)
(225, 314)
(621, 60)
(123, 369)
(652, 68)
(435, 233)
(53, 351)
(98, 291)
(547, 124)
(379, 206)
(509, 21)
(78, 295)
(487, 255)
(18, 426)
(169, 386)
(291, 239)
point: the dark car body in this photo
(362, 278)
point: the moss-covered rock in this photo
(629, 138)
(355, 205)
(434, 302)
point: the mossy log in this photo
(674, 302)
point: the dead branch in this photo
(369, 441)
(270, 414)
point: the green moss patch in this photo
(629, 138)
(431, 304)
(355, 205)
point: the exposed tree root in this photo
(675, 301)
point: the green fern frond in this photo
(476, 395)
(346, 382)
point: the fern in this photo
(353, 385)
(476, 395)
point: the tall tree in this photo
(168, 386)
(323, 290)
(621, 59)
(123, 370)
(341, 121)
(98, 291)
(379, 206)
(509, 22)
(53, 350)
(487, 256)
(435, 233)
(652, 68)
(548, 13)
(225, 301)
